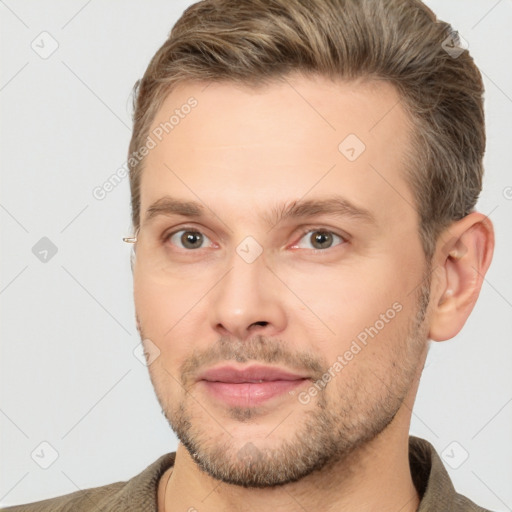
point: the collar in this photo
(429, 475)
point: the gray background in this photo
(68, 371)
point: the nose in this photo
(247, 302)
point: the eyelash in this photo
(166, 237)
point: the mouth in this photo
(250, 386)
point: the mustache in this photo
(256, 349)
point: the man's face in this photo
(287, 314)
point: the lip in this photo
(250, 386)
(250, 374)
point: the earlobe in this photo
(461, 263)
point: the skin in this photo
(241, 152)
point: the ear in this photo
(463, 255)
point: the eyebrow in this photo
(335, 205)
(168, 205)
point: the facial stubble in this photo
(326, 433)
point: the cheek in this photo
(157, 312)
(346, 299)
(159, 307)
(150, 303)
(170, 315)
(367, 309)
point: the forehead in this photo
(241, 148)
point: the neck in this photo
(362, 481)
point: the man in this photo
(303, 177)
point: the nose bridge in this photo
(243, 286)
(245, 296)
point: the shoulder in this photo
(88, 499)
(433, 482)
(137, 494)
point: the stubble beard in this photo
(326, 434)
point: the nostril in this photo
(262, 323)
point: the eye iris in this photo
(191, 239)
(321, 240)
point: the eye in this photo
(319, 239)
(188, 239)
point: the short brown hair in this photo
(254, 42)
